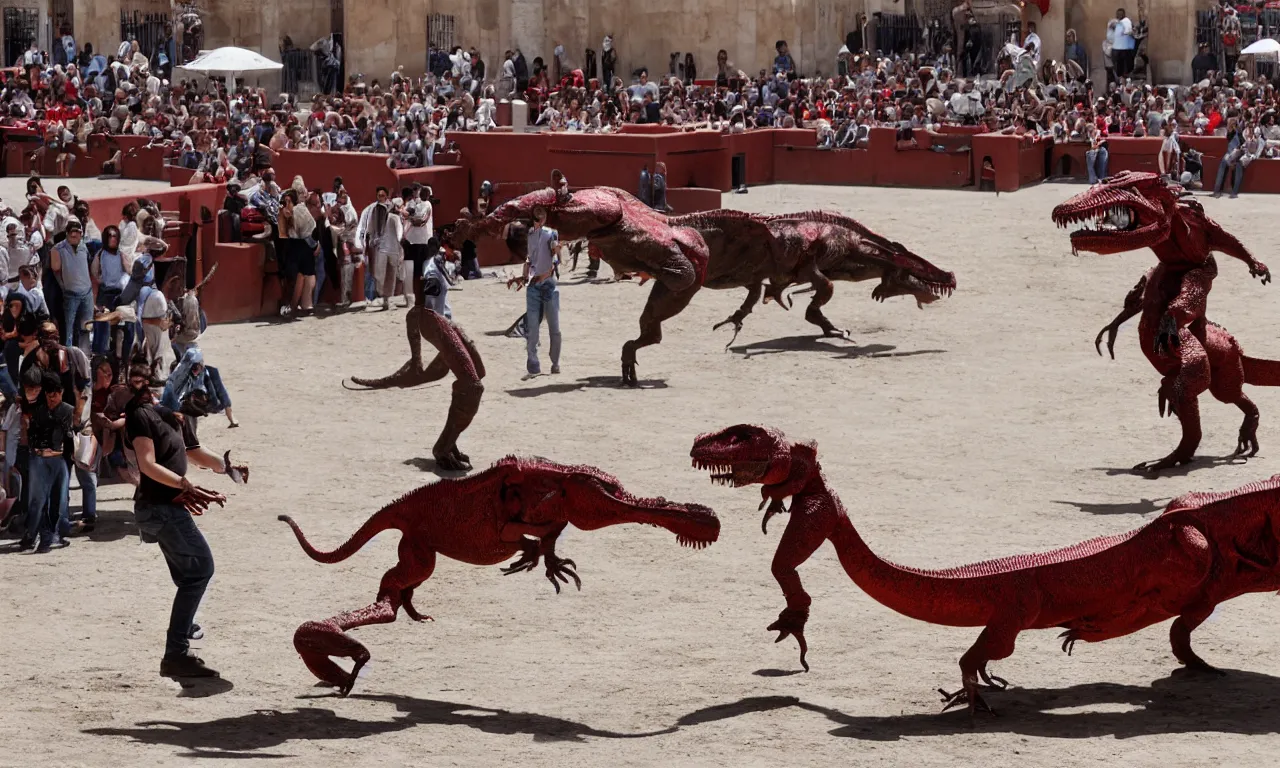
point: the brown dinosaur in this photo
(768, 254)
(1205, 549)
(517, 506)
(626, 233)
(456, 354)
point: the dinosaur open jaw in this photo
(925, 291)
(735, 474)
(1114, 220)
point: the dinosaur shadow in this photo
(428, 464)
(1144, 507)
(1196, 464)
(1242, 703)
(245, 736)
(590, 382)
(838, 348)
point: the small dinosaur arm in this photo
(768, 254)
(517, 506)
(1131, 211)
(1203, 550)
(456, 354)
(621, 230)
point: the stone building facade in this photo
(381, 34)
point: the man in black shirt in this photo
(163, 507)
(1203, 63)
(47, 474)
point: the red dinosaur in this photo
(1139, 210)
(457, 354)
(813, 247)
(1204, 549)
(630, 236)
(517, 506)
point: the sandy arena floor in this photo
(985, 425)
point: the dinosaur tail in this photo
(382, 520)
(1261, 373)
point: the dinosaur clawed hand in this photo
(1258, 269)
(561, 569)
(776, 507)
(1110, 330)
(1069, 639)
(530, 554)
(791, 622)
(1167, 341)
(197, 499)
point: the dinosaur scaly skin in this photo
(517, 506)
(814, 247)
(1139, 210)
(457, 354)
(630, 236)
(1204, 549)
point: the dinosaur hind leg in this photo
(317, 642)
(994, 643)
(1180, 640)
(823, 290)
(663, 304)
(459, 354)
(1182, 391)
(753, 296)
(1226, 362)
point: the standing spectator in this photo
(1074, 51)
(608, 62)
(783, 62)
(379, 232)
(419, 232)
(111, 275)
(47, 434)
(1123, 46)
(1229, 28)
(542, 298)
(522, 73)
(69, 261)
(1032, 43)
(1203, 63)
(1096, 157)
(163, 509)
(1170, 152)
(298, 267)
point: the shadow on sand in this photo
(837, 348)
(1143, 507)
(590, 382)
(1185, 702)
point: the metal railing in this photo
(299, 67)
(146, 28)
(20, 28)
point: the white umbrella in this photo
(231, 62)
(1265, 45)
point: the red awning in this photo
(1044, 7)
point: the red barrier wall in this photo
(757, 148)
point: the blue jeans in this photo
(88, 493)
(370, 285)
(77, 310)
(1096, 161)
(315, 295)
(190, 565)
(102, 331)
(48, 482)
(542, 300)
(7, 386)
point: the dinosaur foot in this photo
(737, 328)
(629, 375)
(1247, 444)
(561, 569)
(1168, 462)
(452, 462)
(317, 641)
(406, 602)
(836, 333)
(791, 622)
(968, 695)
(1197, 664)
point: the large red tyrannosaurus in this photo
(1139, 210)
(1205, 549)
(517, 506)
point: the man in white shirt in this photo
(1033, 39)
(379, 232)
(1120, 33)
(418, 233)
